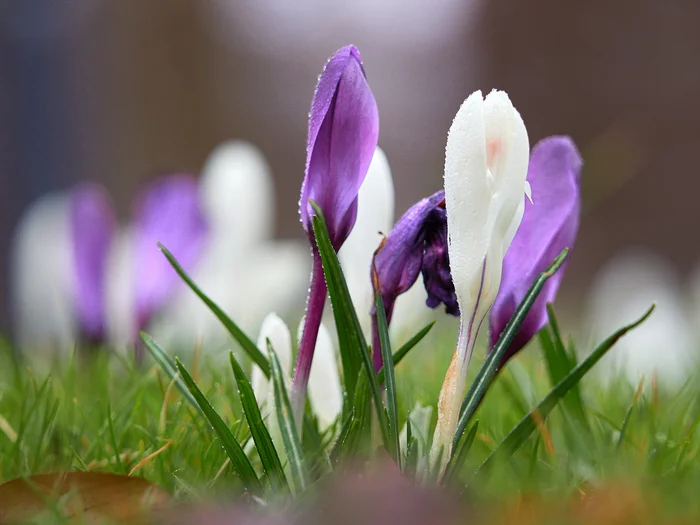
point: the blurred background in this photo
(119, 90)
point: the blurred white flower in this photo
(243, 269)
(325, 392)
(664, 344)
(375, 219)
(41, 278)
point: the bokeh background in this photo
(119, 90)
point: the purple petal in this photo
(92, 227)
(398, 262)
(549, 225)
(168, 212)
(343, 132)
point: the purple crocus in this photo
(167, 212)
(92, 226)
(549, 225)
(417, 244)
(343, 132)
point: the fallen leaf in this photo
(90, 496)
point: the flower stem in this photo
(307, 344)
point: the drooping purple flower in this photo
(417, 244)
(549, 225)
(167, 212)
(343, 132)
(92, 227)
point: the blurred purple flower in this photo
(92, 227)
(549, 225)
(343, 132)
(416, 244)
(167, 212)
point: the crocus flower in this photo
(486, 161)
(58, 269)
(549, 225)
(325, 392)
(664, 347)
(343, 131)
(417, 244)
(243, 268)
(167, 211)
(92, 226)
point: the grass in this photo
(109, 414)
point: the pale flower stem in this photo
(307, 344)
(451, 396)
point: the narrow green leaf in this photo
(402, 352)
(288, 428)
(390, 381)
(263, 442)
(168, 366)
(527, 425)
(455, 466)
(247, 345)
(352, 341)
(233, 449)
(488, 370)
(357, 420)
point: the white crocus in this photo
(325, 392)
(375, 219)
(664, 345)
(42, 279)
(486, 160)
(244, 270)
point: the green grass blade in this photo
(353, 347)
(247, 345)
(455, 466)
(392, 410)
(351, 431)
(168, 366)
(288, 429)
(490, 367)
(263, 442)
(527, 425)
(402, 352)
(239, 461)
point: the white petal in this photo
(325, 392)
(238, 193)
(410, 313)
(121, 322)
(42, 277)
(375, 216)
(274, 329)
(664, 344)
(486, 161)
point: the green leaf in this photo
(263, 442)
(168, 366)
(288, 428)
(350, 338)
(527, 425)
(352, 428)
(488, 370)
(247, 345)
(455, 466)
(392, 410)
(406, 348)
(239, 461)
